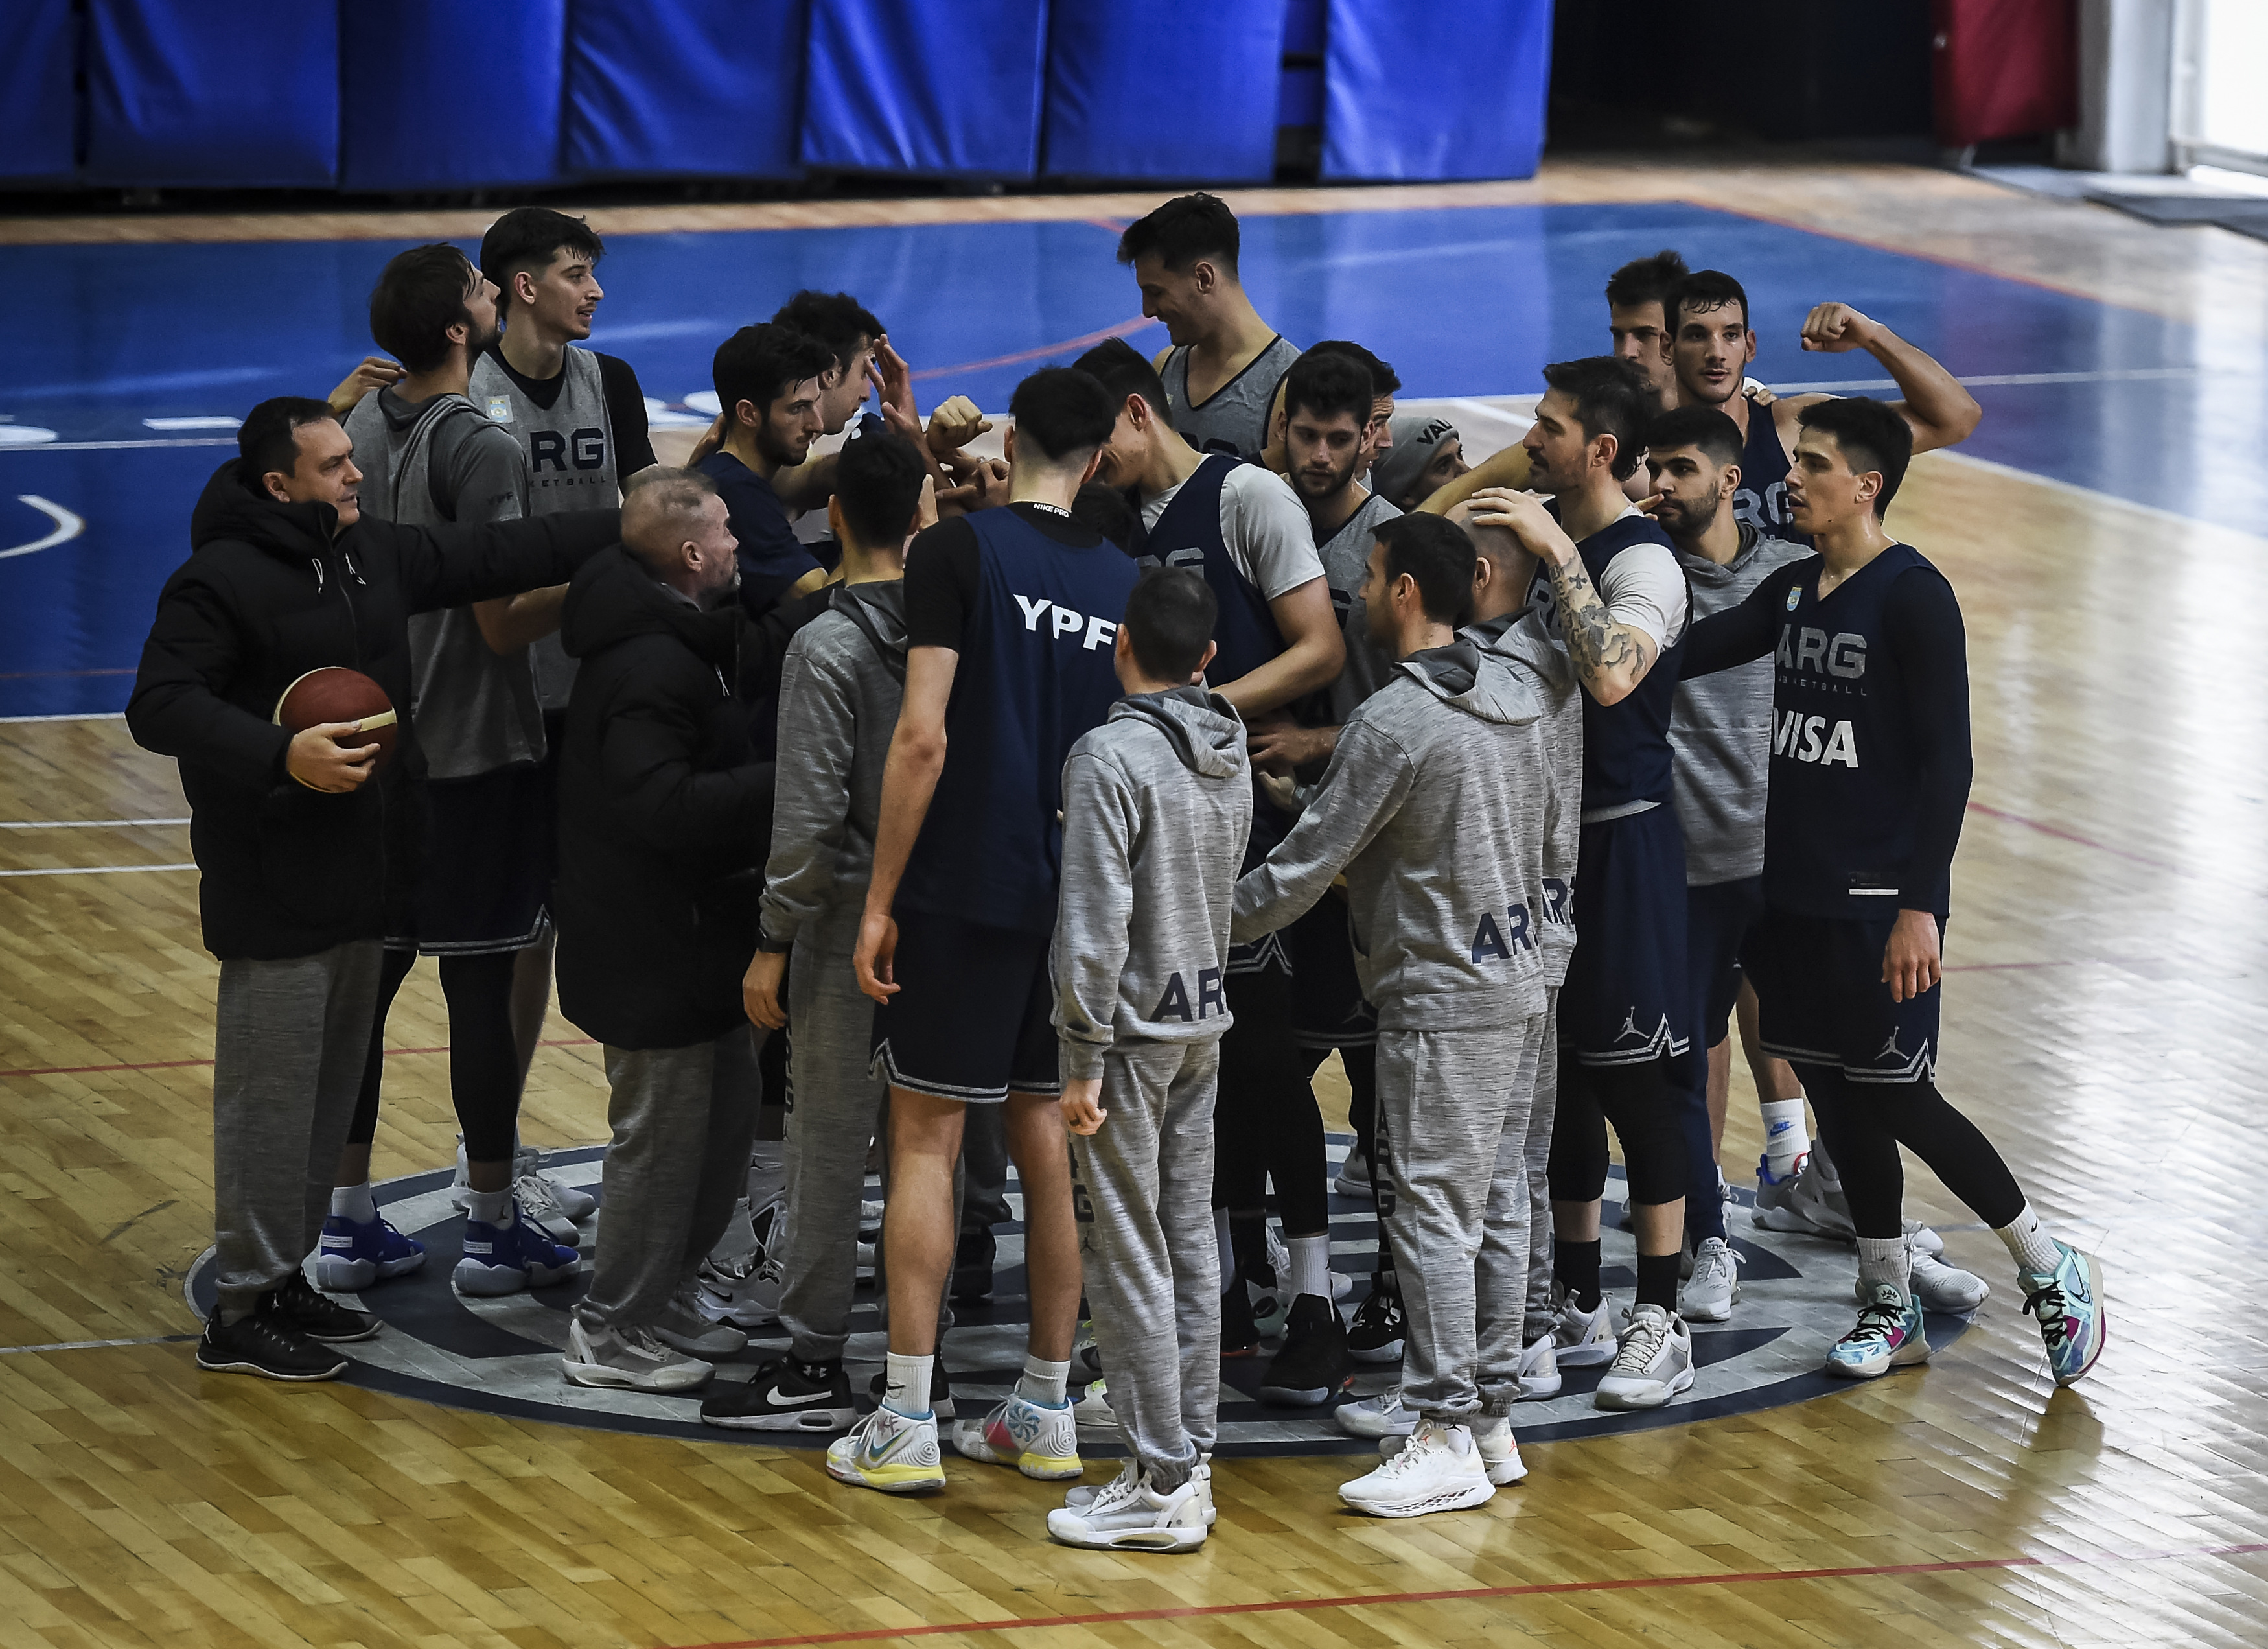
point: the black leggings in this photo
(1865, 1123)
(1644, 1102)
(1265, 1120)
(484, 1061)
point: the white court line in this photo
(1986, 380)
(96, 870)
(76, 715)
(115, 446)
(66, 526)
(97, 1345)
(83, 824)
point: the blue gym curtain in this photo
(1414, 91)
(1166, 89)
(680, 86)
(39, 112)
(444, 94)
(925, 85)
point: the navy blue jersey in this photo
(1188, 535)
(1761, 500)
(770, 557)
(1034, 674)
(1626, 746)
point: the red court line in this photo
(2061, 834)
(1636, 1583)
(85, 1070)
(1086, 341)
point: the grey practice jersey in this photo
(1234, 419)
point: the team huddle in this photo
(1069, 809)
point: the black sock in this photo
(1576, 1265)
(1657, 1280)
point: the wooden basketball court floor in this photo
(2104, 1020)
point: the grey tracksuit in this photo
(1433, 807)
(1157, 805)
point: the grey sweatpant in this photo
(683, 1120)
(1146, 1239)
(1452, 1110)
(289, 1042)
(1538, 1163)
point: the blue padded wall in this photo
(912, 86)
(1168, 89)
(39, 110)
(443, 95)
(1408, 99)
(243, 95)
(684, 87)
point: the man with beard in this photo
(767, 380)
(1377, 434)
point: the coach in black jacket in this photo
(299, 845)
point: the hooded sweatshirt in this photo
(1433, 808)
(1526, 646)
(1157, 805)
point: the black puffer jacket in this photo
(266, 596)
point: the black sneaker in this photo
(1375, 1333)
(262, 1343)
(295, 1304)
(972, 1267)
(1238, 1336)
(940, 1390)
(1313, 1366)
(785, 1396)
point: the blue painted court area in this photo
(1463, 302)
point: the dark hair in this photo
(1168, 620)
(1704, 290)
(1438, 554)
(528, 238)
(419, 296)
(1124, 371)
(1383, 378)
(1103, 508)
(1063, 413)
(1613, 397)
(1646, 280)
(267, 440)
(1184, 229)
(877, 480)
(1712, 431)
(759, 364)
(1871, 436)
(836, 318)
(1328, 385)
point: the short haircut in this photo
(528, 238)
(1184, 229)
(1612, 396)
(1062, 412)
(1871, 436)
(1704, 290)
(1168, 620)
(1103, 508)
(762, 363)
(877, 480)
(419, 296)
(1646, 280)
(1438, 554)
(1326, 385)
(1383, 378)
(660, 506)
(1125, 370)
(1710, 429)
(836, 318)
(268, 440)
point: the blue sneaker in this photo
(2068, 1302)
(353, 1255)
(505, 1259)
(1889, 1335)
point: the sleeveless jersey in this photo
(570, 466)
(1034, 674)
(1234, 419)
(1761, 500)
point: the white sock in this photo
(1227, 1248)
(2028, 1243)
(1785, 1138)
(906, 1384)
(1043, 1382)
(1887, 1260)
(354, 1202)
(1311, 1266)
(490, 1207)
(767, 1174)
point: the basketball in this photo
(335, 693)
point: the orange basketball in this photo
(335, 693)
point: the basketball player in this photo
(1870, 774)
(1224, 365)
(767, 381)
(1007, 662)
(1378, 436)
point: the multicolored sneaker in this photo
(1889, 1334)
(1037, 1440)
(2068, 1302)
(353, 1254)
(891, 1452)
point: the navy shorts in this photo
(1825, 1003)
(486, 878)
(1328, 1009)
(1625, 999)
(1718, 919)
(972, 1020)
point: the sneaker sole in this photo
(347, 1277)
(1593, 1354)
(1304, 1396)
(798, 1420)
(1149, 1540)
(1625, 1402)
(1711, 1313)
(1862, 1372)
(342, 1339)
(1456, 1500)
(1389, 1352)
(268, 1374)
(600, 1378)
(890, 1479)
(1365, 1427)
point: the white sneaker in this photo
(554, 1207)
(748, 1302)
(1093, 1406)
(1655, 1364)
(578, 1205)
(739, 1251)
(1128, 1514)
(1038, 1441)
(1439, 1470)
(628, 1360)
(1082, 1495)
(889, 1452)
(1539, 1371)
(1939, 1287)
(1716, 1282)
(682, 1327)
(540, 1200)
(1581, 1339)
(1500, 1450)
(1379, 1416)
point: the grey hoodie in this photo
(1433, 808)
(1157, 803)
(1538, 659)
(838, 707)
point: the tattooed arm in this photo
(1612, 654)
